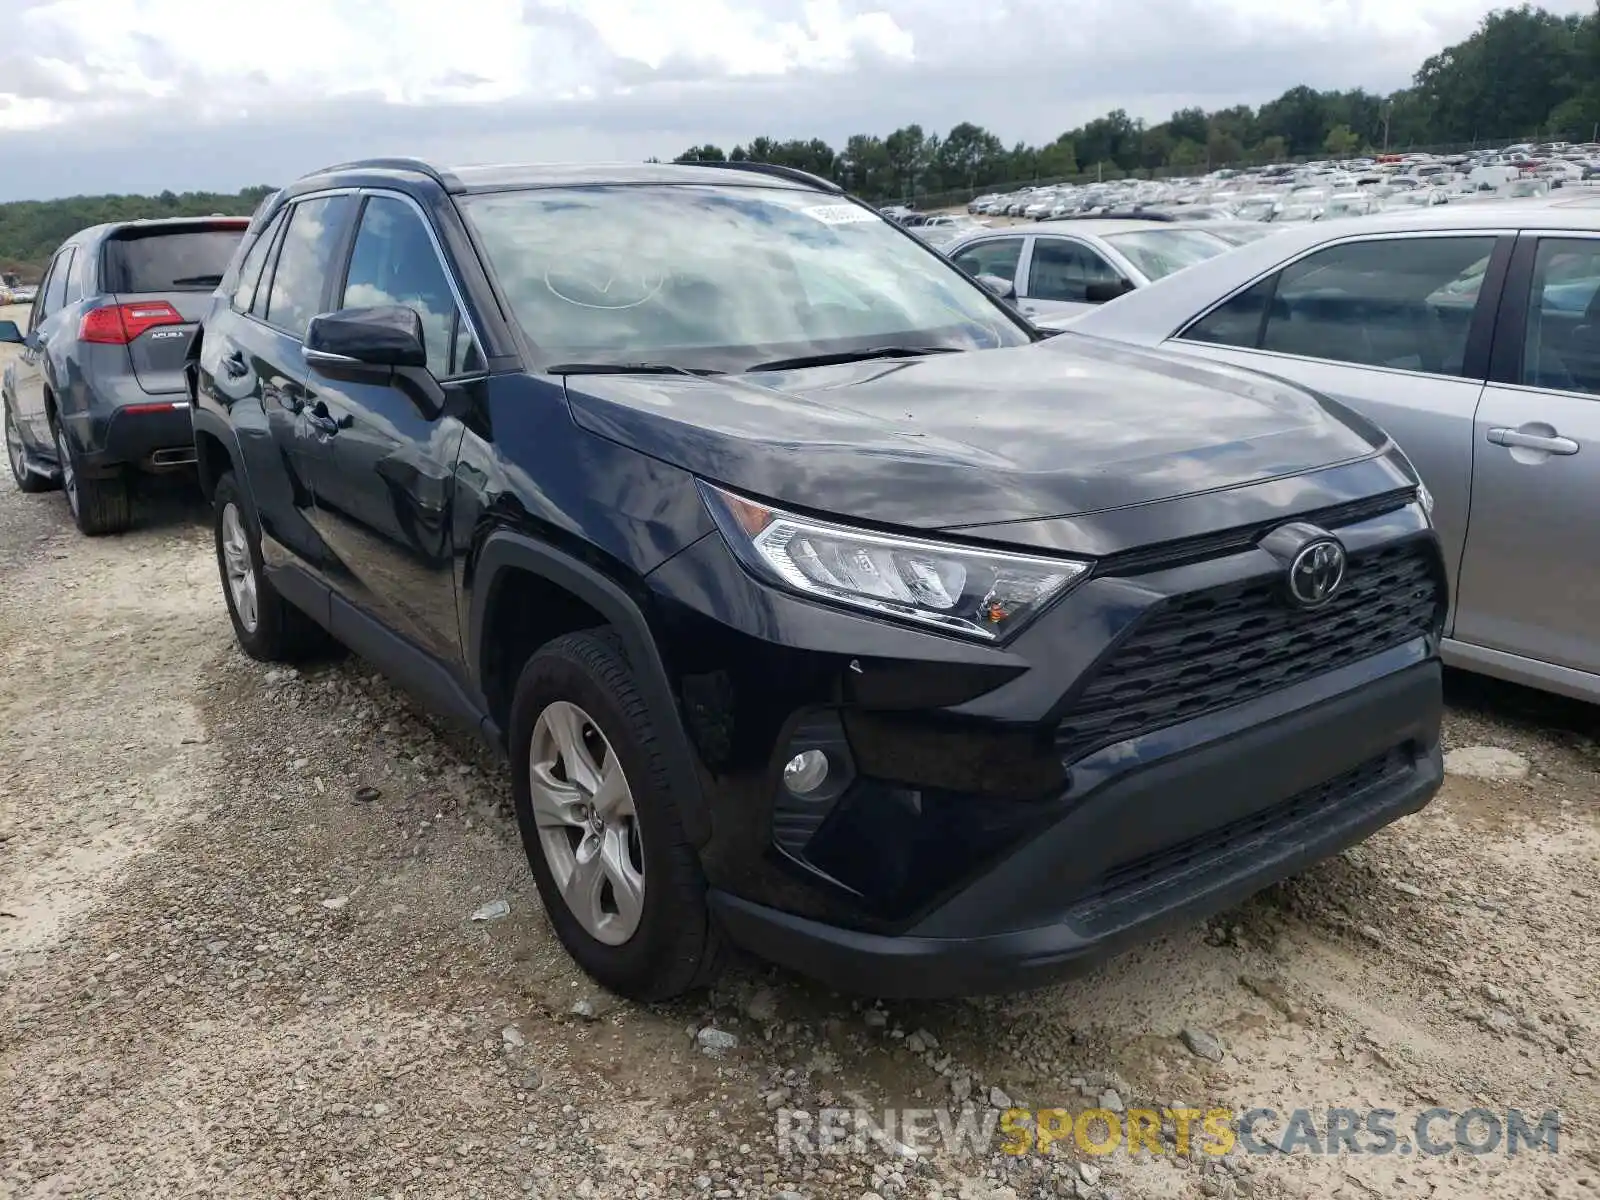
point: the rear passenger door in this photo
(253, 359)
(1530, 578)
(1000, 256)
(385, 485)
(31, 376)
(1396, 326)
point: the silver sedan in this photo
(1472, 335)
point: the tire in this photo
(276, 631)
(98, 506)
(674, 946)
(27, 481)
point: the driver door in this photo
(385, 489)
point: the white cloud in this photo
(130, 94)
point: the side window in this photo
(55, 291)
(394, 262)
(41, 308)
(998, 257)
(1404, 303)
(1561, 349)
(1237, 322)
(269, 266)
(244, 292)
(304, 263)
(1062, 269)
(74, 272)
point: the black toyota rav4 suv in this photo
(820, 607)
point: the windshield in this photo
(721, 277)
(1159, 252)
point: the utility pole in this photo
(1388, 111)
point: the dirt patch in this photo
(228, 969)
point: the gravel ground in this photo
(238, 958)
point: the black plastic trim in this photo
(508, 550)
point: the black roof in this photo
(498, 176)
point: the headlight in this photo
(979, 593)
(1425, 498)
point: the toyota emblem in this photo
(1316, 573)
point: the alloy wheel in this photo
(239, 568)
(588, 828)
(14, 451)
(69, 476)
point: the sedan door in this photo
(1530, 578)
(1060, 272)
(1395, 326)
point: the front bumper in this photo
(1187, 836)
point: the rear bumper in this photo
(1255, 807)
(150, 435)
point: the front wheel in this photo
(600, 826)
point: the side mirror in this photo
(1099, 293)
(10, 335)
(1004, 288)
(388, 336)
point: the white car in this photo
(1061, 269)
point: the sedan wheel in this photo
(588, 829)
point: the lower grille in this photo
(1171, 867)
(1205, 651)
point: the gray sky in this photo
(141, 95)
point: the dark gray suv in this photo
(98, 389)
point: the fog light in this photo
(805, 772)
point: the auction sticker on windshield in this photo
(839, 214)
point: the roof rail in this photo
(389, 164)
(778, 170)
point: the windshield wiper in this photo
(626, 368)
(850, 356)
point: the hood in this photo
(1076, 426)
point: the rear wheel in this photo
(17, 456)
(268, 627)
(99, 506)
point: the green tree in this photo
(1341, 142)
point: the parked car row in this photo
(823, 604)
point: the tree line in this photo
(1523, 73)
(30, 230)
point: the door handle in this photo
(324, 421)
(1550, 443)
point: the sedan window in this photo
(1400, 303)
(998, 257)
(1562, 346)
(1063, 270)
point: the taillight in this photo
(119, 324)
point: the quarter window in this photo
(394, 263)
(244, 292)
(1403, 303)
(1561, 350)
(998, 257)
(56, 290)
(301, 277)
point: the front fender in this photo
(507, 550)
